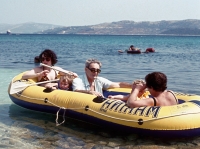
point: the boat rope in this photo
(57, 115)
(143, 120)
(42, 99)
(105, 115)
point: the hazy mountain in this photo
(178, 27)
(182, 27)
(26, 28)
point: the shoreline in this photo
(172, 35)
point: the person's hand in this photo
(110, 96)
(44, 73)
(50, 86)
(140, 86)
(138, 81)
(95, 93)
(69, 74)
(74, 74)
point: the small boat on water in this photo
(180, 120)
(138, 51)
(8, 32)
(134, 52)
(130, 52)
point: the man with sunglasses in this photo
(91, 83)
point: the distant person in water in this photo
(132, 48)
(156, 83)
(150, 50)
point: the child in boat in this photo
(64, 83)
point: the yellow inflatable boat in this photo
(180, 120)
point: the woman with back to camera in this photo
(156, 83)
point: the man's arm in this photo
(136, 91)
(120, 97)
(120, 85)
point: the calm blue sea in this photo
(176, 56)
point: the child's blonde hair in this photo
(65, 78)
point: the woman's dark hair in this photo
(157, 81)
(37, 59)
(51, 54)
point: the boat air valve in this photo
(46, 100)
(140, 121)
(86, 108)
(99, 99)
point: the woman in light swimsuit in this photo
(156, 83)
(42, 73)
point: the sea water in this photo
(176, 56)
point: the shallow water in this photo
(178, 57)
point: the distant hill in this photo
(178, 27)
(182, 27)
(26, 28)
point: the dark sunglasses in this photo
(93, 70)
(46, 58)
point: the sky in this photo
(92, 12)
